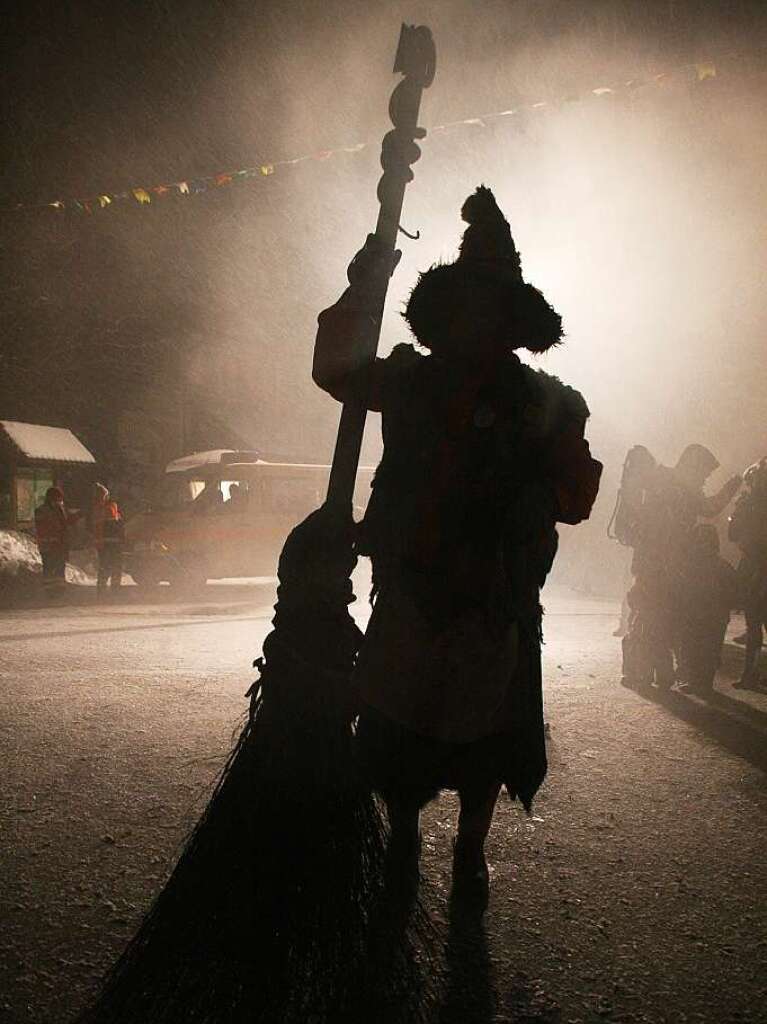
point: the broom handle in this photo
(416, 60)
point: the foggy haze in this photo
(640, 213)
(173, 638)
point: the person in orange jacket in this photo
(108, 530)
(53, 523)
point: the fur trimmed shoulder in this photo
(561, 399)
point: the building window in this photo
(5, 497)
(31, 485)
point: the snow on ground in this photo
(20, 563)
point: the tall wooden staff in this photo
(267, 914)
(416, 60)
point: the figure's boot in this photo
(710, 663)
(471, 878)
(404, 851)
(665, 676)
(634, 663)
(637, 655)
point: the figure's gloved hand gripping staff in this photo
(349, 332)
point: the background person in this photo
(748, 529)
(53, 525)
(209, 500)
(673, 501)
(108, 530)
(709, 593)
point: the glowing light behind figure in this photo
(648, 248)
(640, 216)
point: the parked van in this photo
(223, 514)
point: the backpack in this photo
(638, 470)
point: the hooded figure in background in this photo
(664, 551)
(482, 457)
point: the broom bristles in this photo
(277, 909)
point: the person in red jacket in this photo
(53, 523)
(483, 455)
(108, 530)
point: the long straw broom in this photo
(278, 908)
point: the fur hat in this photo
(487, 276)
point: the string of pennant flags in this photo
(146, 195)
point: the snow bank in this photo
(20, 561)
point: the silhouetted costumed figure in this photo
(482, 457)
(748, 529)
(671, 502)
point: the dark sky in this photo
(98, 96)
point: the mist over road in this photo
(636, 892)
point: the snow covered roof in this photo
(48, 444)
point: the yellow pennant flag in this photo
(104, 201)
(141, 195)
(704, 71)
(267, 169)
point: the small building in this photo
(33, 458)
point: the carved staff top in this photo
(416, 60)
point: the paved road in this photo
(636, 892)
